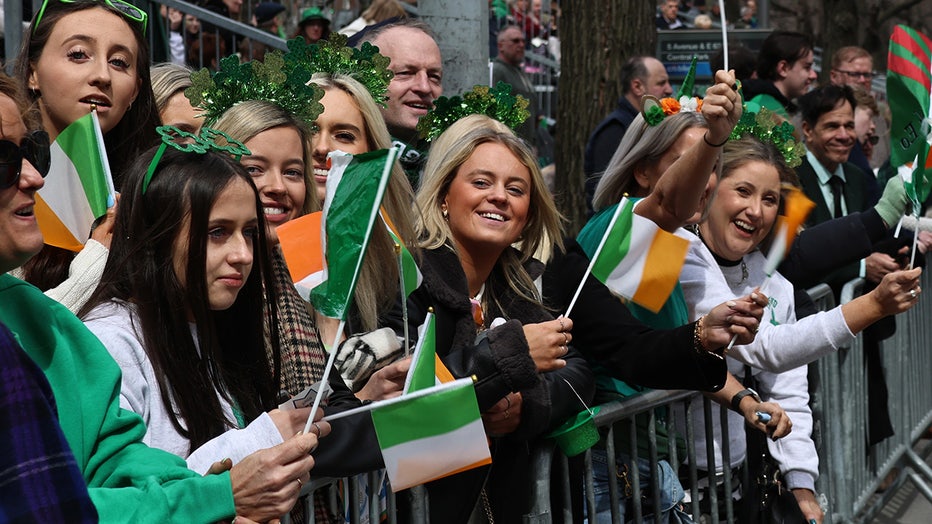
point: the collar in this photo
(823, 174)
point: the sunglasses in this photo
(128, 10)
(34, 148)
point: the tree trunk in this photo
(840, 28)
(597, 37)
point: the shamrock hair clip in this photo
(654, 110)
(332, 56)
(190, 143)
(497, 103)
(265, 80)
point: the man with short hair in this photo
(852, 65)
(506, 67)
(411, 45)
(838, 187)
(784, 72)
(667, 18)
(640, 75)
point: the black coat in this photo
(602, 144)
(501, 361)
(606, 333)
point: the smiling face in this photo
(415, 60)
(20, 237)
(340, 127)
(276, 165)
(79, 67)
(798, 76)
(232, 228)
(746, 204)
(488, 200)
(832, 136)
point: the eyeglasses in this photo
(516, 40)
(857, 74)
(34, 148)
(128, 10)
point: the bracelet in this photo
(705, 138)
(697, 340)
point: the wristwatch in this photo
(736, 400)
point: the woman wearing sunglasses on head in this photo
(80, 55)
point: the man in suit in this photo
(838, 187)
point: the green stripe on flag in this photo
(426, 416)
(410, 272)
(79, 142)
(616, 244)
(348, 220)
(424, 365)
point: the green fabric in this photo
(673, 314)
(127, 480)
(771, 103)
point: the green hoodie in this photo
(127, 480)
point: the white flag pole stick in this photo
(111, 190)
(403, 398)
(326, 378)
(721, 12)
(761, 289)
(595, 256)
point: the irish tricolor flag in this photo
(300, 243)
(411, 276)
(77, 188)
(796, 207)
(426, 367)
(637, 260)
(355, 187)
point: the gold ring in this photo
(317, 427)
(299, 483)
(507, 414)
(566, 349)
(566, 340)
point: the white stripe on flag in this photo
(426, 459)
(61, 184)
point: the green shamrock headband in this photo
(766, 126)
(497, 103)
(191, 143)
(265, 80)
(332, 56)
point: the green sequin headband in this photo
(191, 143)
(265, 80)
(332, 56)
(766, 126)
(497, 103)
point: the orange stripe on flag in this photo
(300, 243)
(443, 374)
(54, 232)
(476, 464)
(662, 268)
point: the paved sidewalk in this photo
(908, 506)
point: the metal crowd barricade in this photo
(850, 471)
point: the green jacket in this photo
(127, 480)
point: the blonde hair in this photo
(245, 120)
(168, 79)
(448, 152)
(381, 10)
(378, 285)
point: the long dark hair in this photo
(228, 355)
(136, 130)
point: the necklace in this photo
(727, 263)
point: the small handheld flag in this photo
(77, 190)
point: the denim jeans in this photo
(671, 491)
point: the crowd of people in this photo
(144, 376)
